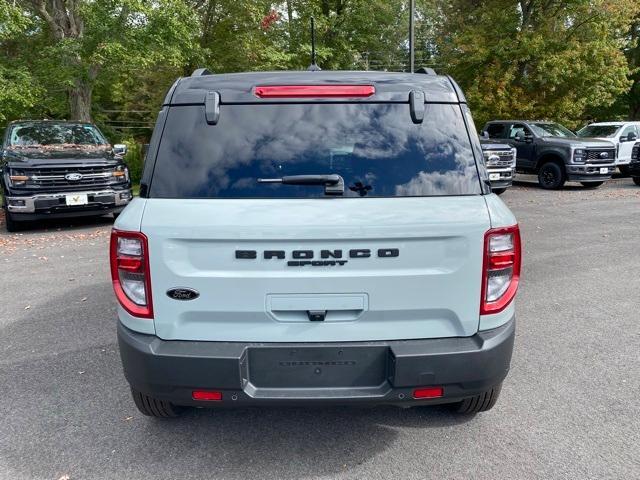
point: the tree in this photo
(88, 40)
(18, 90)
(532, 59)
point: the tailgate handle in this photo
(317, 307)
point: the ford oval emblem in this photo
(182, 293)
(73, 177)
(604, 154)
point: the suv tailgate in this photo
(425, 282)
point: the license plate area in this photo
(317, 367)
(604, 170)
(76, 199)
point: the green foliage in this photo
(567, 60)
(134, 160)
(523, 59)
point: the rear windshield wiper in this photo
(333, 183)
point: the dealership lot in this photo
(569, 408)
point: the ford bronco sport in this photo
(315, 238)
(60, 169)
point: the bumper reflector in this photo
(429, 392)
(206, 395)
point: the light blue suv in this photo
(315, 238)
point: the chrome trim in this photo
(30, 201)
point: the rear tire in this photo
(636, 180)
(591, 184)
(152, 407)
(479, 403)
(551, 176)
(499, 191)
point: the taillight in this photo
(129, 252)
(501, 269)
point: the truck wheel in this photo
(499, 191)
(152, 407)
(636, 180)
(624, 170)
(10, 224)
(591, 184)
(551, 176)
(480, 403)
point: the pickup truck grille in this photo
(55, 176)
(594, 155)
(506, 158)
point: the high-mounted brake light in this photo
(501, 268)
(129, 254)
(314, 91)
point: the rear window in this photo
(376, 148)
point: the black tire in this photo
(591, 184)
(480, 403)
(10, 224)
(499, 191)
(152, 407)
(624, 170)
(636, 180)
(551, 176)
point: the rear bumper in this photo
(316, 373)
(51, 205)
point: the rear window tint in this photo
(376, 148)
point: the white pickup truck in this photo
(622, 134)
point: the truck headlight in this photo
(121, 173)
(17, 179)
(579, 155)
(514, 155)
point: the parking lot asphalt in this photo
(569, 409)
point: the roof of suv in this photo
(520, 121)
(615, 124)
(239, 87)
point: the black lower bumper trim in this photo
(574, 177)
(320, 373)
(66, 213)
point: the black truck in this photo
(554, 153)
(60, 169)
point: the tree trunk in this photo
(80, 101)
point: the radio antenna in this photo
(314, 66)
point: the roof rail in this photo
(198, 72)
(426, 71)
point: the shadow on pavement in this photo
(57, 224)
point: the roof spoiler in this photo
(426, 71)
(198, 72)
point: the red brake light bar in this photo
(314, 91)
